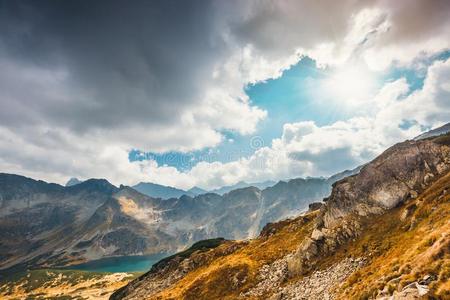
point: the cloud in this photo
(83, 83)
(306, 149)
(127, 69)
(379, 32)
(429, 106)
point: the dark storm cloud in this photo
(140, 61)
(279, 27)
(120, 63)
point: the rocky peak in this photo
(197, 191)
(95, 185)
(17, 182)
(73, 181)
(399, 174)
(250, 191)
(434, 132)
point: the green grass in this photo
(201, 246)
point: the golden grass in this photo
(63, 284)
(228, 276)
(402, 253)
(401, 248)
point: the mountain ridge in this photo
(166, 192)
(96, 219)
(444, 129)
(160, 191)
(73, 181)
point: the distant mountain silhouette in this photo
(160, 191)
(73, 181)
(434, 132)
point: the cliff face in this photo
(382, 233)
(399, 174)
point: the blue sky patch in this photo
(287, 99)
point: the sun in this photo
(350, 85)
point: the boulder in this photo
(315, 206)
(317, 235)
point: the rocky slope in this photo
(73, 181)
(382, 234)
(399, 174)
(242, 184)
(161, 191)
(46, 225)
(39, 220)
(444, 129)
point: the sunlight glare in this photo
(350, 85)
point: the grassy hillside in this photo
(227, 276)
(405, 245)
(62, 284)
(399, 247)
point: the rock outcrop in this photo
(400, 173)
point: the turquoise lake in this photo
(120, 264)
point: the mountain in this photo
(242, 184)
(166, 192)
(73, 181)
(155, 190)
(95, 219)
(196, 191)
(160, 191)
(226, 189)
(381, 234)
(434, 132)
(336, 177)
(38, 219)
(264, 184)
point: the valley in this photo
(94, 219)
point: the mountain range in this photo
(155, 190)
(46, 225)
(164, 192)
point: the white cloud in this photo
(380, 33)
(303, 149)
(307, 149)
(74, 104)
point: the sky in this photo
(210, 93)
